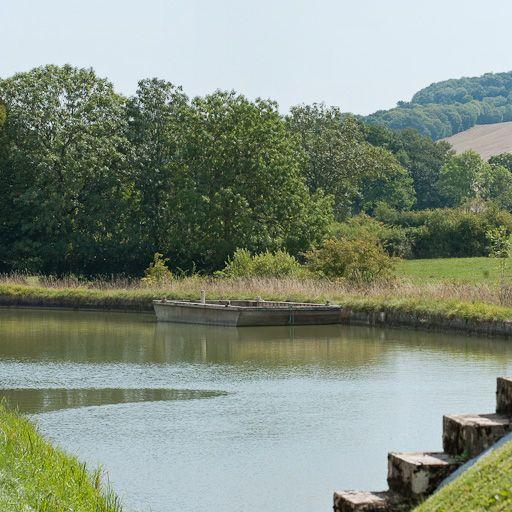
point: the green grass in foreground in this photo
(35, 476)
(462, 270)
(487, 486)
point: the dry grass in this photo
(315, 289)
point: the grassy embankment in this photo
(487, 486)
(36, 476)
(446, 288)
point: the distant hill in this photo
(452, 106)
(487, 139)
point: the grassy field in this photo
(487, 486)
(450, 270)
(35, 476)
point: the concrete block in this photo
(417, 474)
(468, 435)
(363, 501)
(504, 396)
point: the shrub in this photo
(449, 232)
(360, 261)
(395, 240)
(265, 264)
(158, 272)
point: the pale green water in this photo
(223, 419)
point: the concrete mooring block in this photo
(504, 396)
(468, 435)
(362, 501)
(418, 474)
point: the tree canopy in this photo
(94, 182)
(445, 108)
(341, 162)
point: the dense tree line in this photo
(95, 182)
(445, 108)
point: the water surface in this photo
(270, 419)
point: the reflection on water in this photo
(305, 410)
(117, 337)
(31, 401)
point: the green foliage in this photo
(394, 239)
(63, 171)
(451, 106)
(96, 183)
(340, 162)
(500, 242)
(241, 183)
(467, 177)
(496, 185)
(459, 179)
(3, 114)
(420, 155)
(448, 232)
(156, 114)
(360, 260)
(265, 264)
(36, 476)
(502, 160)
(93, 182)
(158, 272)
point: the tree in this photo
(384, 181)
(503, 159)
(64, 171)
(157, 115)
(240, 184)
(341, 162)
(420, 155)
(496, 185)
(461, 178)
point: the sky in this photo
(360, 55)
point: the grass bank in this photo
(487, 486)
(428, 303)
(34, 475)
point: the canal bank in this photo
(35, 475)
(471, 317)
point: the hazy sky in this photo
(360, 55)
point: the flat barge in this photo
(246, 313)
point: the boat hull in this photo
(246, 315)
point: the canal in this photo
(186, 418)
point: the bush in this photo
(265, 264)
(449, 232)
(395, 240)
(157, 272)
(360, 261)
